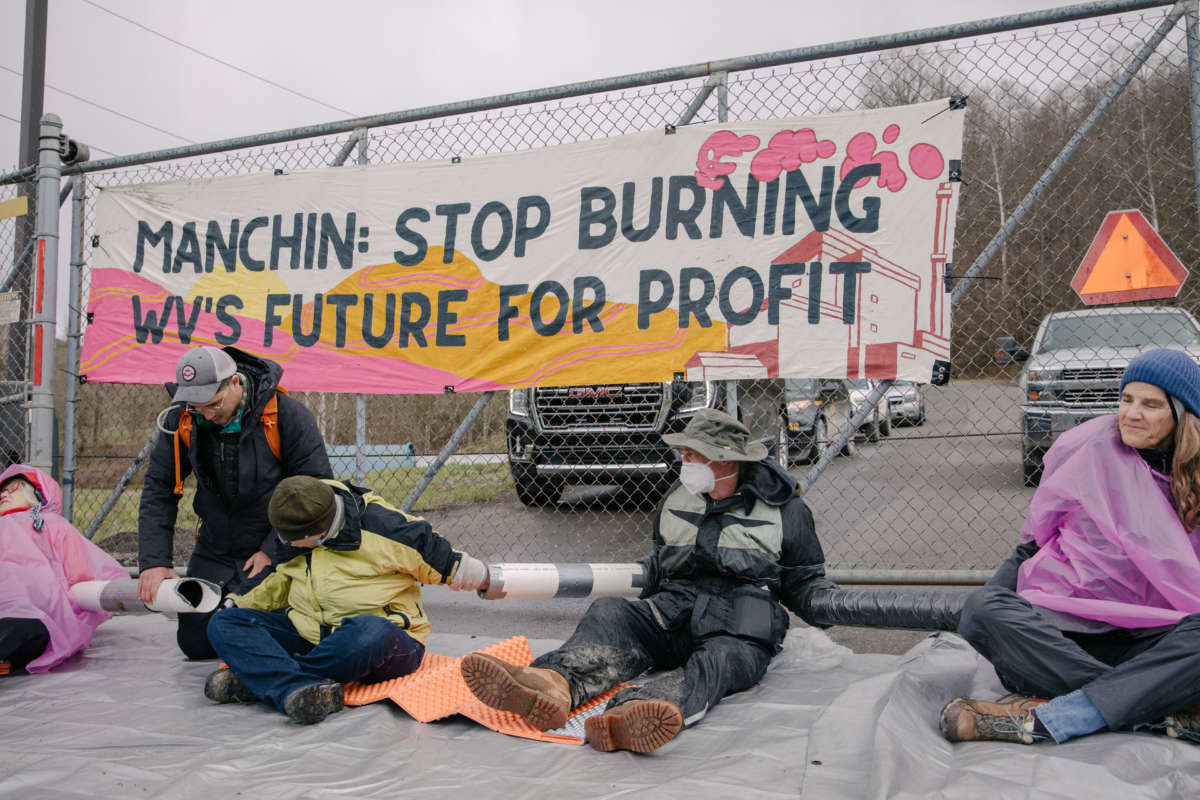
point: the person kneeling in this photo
(346, 609)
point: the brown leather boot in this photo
(541, 696)
(968, 720)
(638, 725)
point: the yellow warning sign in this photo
(14, 208)
(1127, 261)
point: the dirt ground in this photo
(123, 547)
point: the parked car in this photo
(817, 409)
(906, 402)
(611, 434)
(879, 421)
(1075, 365)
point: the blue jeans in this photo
(267, 654)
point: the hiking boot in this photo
(223, 686)
(1184, 725)
(638, 725)
(310, 704)
(967, 720)
(541, 696)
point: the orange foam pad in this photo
(436, 690)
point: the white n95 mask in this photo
(697, 478)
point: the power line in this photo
(14, 119)
(105, 108)
(219, 61)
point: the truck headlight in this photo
(698, 395)
(518, 402)
(1045, 375)
(1040, 393)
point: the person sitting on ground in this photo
(41, 557)
(347, 609)
(1094, 622)
(731, 542)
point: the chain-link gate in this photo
(1071, 114)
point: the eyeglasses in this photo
(211, 405)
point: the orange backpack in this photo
(270, 424)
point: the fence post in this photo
(71, 402)
(44, 295)
(360, 400)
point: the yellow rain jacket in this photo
(374, 565)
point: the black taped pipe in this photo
(912, 610)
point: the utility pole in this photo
(33, 80)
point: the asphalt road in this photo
(947, 495)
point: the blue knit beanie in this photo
(1173, 371)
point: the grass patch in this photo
(455, 484)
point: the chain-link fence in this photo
(1067, 121)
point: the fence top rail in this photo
(777, 58)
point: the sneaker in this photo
(967, 720)
(1184, 725)
(541, 696)
(310, 704)
(223, 686)
(638, 725)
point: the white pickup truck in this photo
(1073, 370)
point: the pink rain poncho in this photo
(1112, 547)
(38, 567)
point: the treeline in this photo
(1139, 156)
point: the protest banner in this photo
(801, 247)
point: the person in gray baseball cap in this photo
(732, 542)
(231, 425)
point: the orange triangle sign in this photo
(1127, 261)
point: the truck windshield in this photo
(1118, 330)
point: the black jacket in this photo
(232, 492)
(723, 566)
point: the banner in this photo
(803, 247)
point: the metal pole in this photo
(1068, 150)
(844, 435)
(27, 251)
(121, 484)
(33, 78)
(1193, 51)
(43, 297)
(360, 400)
(73, 336)
(452, 445)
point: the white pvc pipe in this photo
(177, 595)
(563, 580)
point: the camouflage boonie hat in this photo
(718, 436)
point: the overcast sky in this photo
(128, 76)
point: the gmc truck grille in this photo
(625, 407)
(1094, 374)
(1091, 397)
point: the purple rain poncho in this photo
(38, 567)
(1112, 547)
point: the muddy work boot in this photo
(309, 705)
(638, 725)
(541, 696)
(223, 686)
(967, 720)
